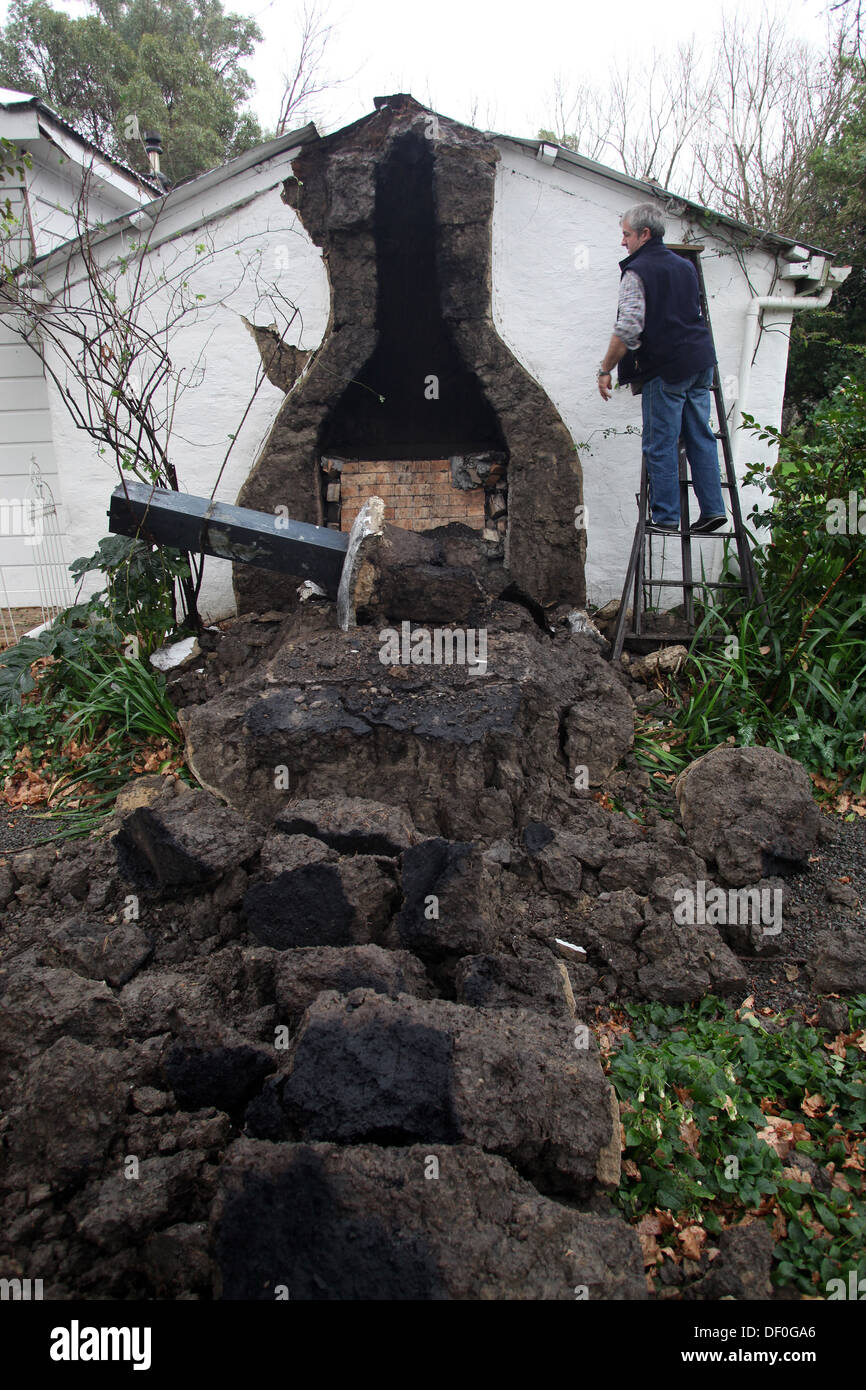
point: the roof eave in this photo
(183, 192)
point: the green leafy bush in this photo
(138, 598)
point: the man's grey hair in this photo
(645, 215)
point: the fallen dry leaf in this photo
(690, 1134)
(647, 1230)
(692, 1240)
(813, 1105)
(650, 1224)
(630, 1168)
(782, 1134)
(795, 1174)
(792, 972)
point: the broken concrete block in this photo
(322, 904)
(749, 810)
(498, 981)
(350, 824)
(113, 954)
(300, 976)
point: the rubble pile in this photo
(269, 1039)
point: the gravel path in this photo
(809, 910)
(22, 828)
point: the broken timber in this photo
(202, 526)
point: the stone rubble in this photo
(331, 1041)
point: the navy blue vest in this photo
(676, 342)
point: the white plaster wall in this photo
(556, 253)
(556, 245)
(256, 260)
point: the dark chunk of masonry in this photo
(269, 540)
(536, 836)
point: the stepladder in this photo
(655, 550)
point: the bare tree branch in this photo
(734, 128)
(307, 79)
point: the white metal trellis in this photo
(52, 576)
(39, 524)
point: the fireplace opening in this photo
(415, 426)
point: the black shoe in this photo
(705, 524)
(666, 529)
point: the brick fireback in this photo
(418, 494)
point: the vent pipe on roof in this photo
(153, 149)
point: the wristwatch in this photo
(601, 371)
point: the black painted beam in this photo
(233, 533)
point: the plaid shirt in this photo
(631, 310)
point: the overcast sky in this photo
(493, 61)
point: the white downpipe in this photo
(786, 304)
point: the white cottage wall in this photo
(257, 259)
(556, 249)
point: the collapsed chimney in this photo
(412, 396)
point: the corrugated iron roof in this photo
(10, 98)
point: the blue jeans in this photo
(671, 409)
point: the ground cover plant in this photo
(81, 710)
(728, 1116)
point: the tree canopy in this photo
(173, 66)
(833, 342)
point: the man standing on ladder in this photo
(662, 347)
